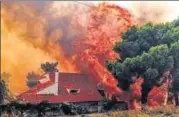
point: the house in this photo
(60, 87)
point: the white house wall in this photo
(52, 89)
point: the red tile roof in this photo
(88, 91)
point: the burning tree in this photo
(150, 52)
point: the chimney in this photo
(46, 79)
(52, 89)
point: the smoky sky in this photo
(142, 11)
(59, 22)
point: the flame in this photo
(24, 26)
(67, 33)
(25, 44)
(103, 28)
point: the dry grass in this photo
(168, 111)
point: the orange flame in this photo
(25, 44)
(105, 23)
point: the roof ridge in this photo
(89, 92)
(69, 73)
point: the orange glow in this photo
(105, 23)
(25, 43)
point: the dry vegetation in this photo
(168, 111)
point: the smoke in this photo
(149, 11)
(30, 36)
(72, 23)
(18, 58)
(156, 12)
(36, 32)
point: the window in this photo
(73, 91)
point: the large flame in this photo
(103, 28)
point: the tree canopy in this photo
(136, 40)
(146, 51)
(4, 80)
(32, 76)
(49, 67)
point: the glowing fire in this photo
(25, 44)
(105, 23)
(31, 37)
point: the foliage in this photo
(32, 76)
(149, 65)
(32, 83)
(39, 109)
(4, 80)
(31, 79)
(49, 67)
(175, 73)
(147, 52)
(136, 40)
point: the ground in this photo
(168, 111)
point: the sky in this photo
(171, 6)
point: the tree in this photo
(49, 67)
(41, 108)
(136, 40)
(66, 108)
(175, 73)
(4, 86)
(32, 76)
(146, 52)
(31, 81)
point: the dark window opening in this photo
(73, 91)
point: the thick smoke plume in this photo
(30, 36)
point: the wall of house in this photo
(53, 89)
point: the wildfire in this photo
(25, 44)
(105, 24)
(73, 35)
(30, 36)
